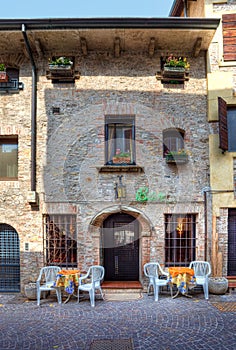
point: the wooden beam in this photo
(84, 46)
(39, 48)
(197, 47)
(151, 47)
(117, 47)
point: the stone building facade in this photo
(66, 189)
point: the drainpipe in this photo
(33, 111)
(206, 227)
(185, 8)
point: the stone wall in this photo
(70, 151)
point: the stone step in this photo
(122, 287)
(231, 281)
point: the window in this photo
(8, 157)
(227, 126)
(180, 239)
(119, 136)
(13, 74)
(173, 141)
(60, 240)
(229, 36)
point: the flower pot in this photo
(217, 285)
(31, 291)
(3, 77)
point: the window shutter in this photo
(223, 127)
(229, 36)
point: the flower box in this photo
(176, 158)
(60, 67)
(121, 160)
(174, 72)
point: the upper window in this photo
(229, 36)
(173, 141)
(119, 137)
(227, 126)
(180, 239)
(8, 157)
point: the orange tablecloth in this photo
(68, 279)
(183, 277)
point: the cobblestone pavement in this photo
(168, 324)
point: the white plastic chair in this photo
(154, 271)
(92, 281)
(46, 281)
(202, 270)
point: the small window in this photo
(119, 137)
(180, 239)
(13, 74)
(60, 240)
(173, 141)
(8, 157)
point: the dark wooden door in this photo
(121, 248)
(232, 243)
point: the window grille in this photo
(9, 259)
(60, 240)
(180, 239)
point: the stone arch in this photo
(145, 234)
(145, 222)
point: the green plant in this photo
(2, 67)
(180, 152)
(59, 61)
(122, 155)
(173, 61)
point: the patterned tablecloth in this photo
(68, 279)
(183, 277)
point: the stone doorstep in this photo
(122, 287)
(231, 283)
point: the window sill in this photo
(120, 168)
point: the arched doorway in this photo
(121, 247)
(9, 259)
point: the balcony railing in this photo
(12, 85)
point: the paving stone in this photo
(168, 324)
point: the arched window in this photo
(173, 140)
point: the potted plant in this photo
(121, 158)
(3, 73)
(175, 67)
(177, 157)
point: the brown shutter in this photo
(229, 36)
(223, 127)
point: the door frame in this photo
(109, 224)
